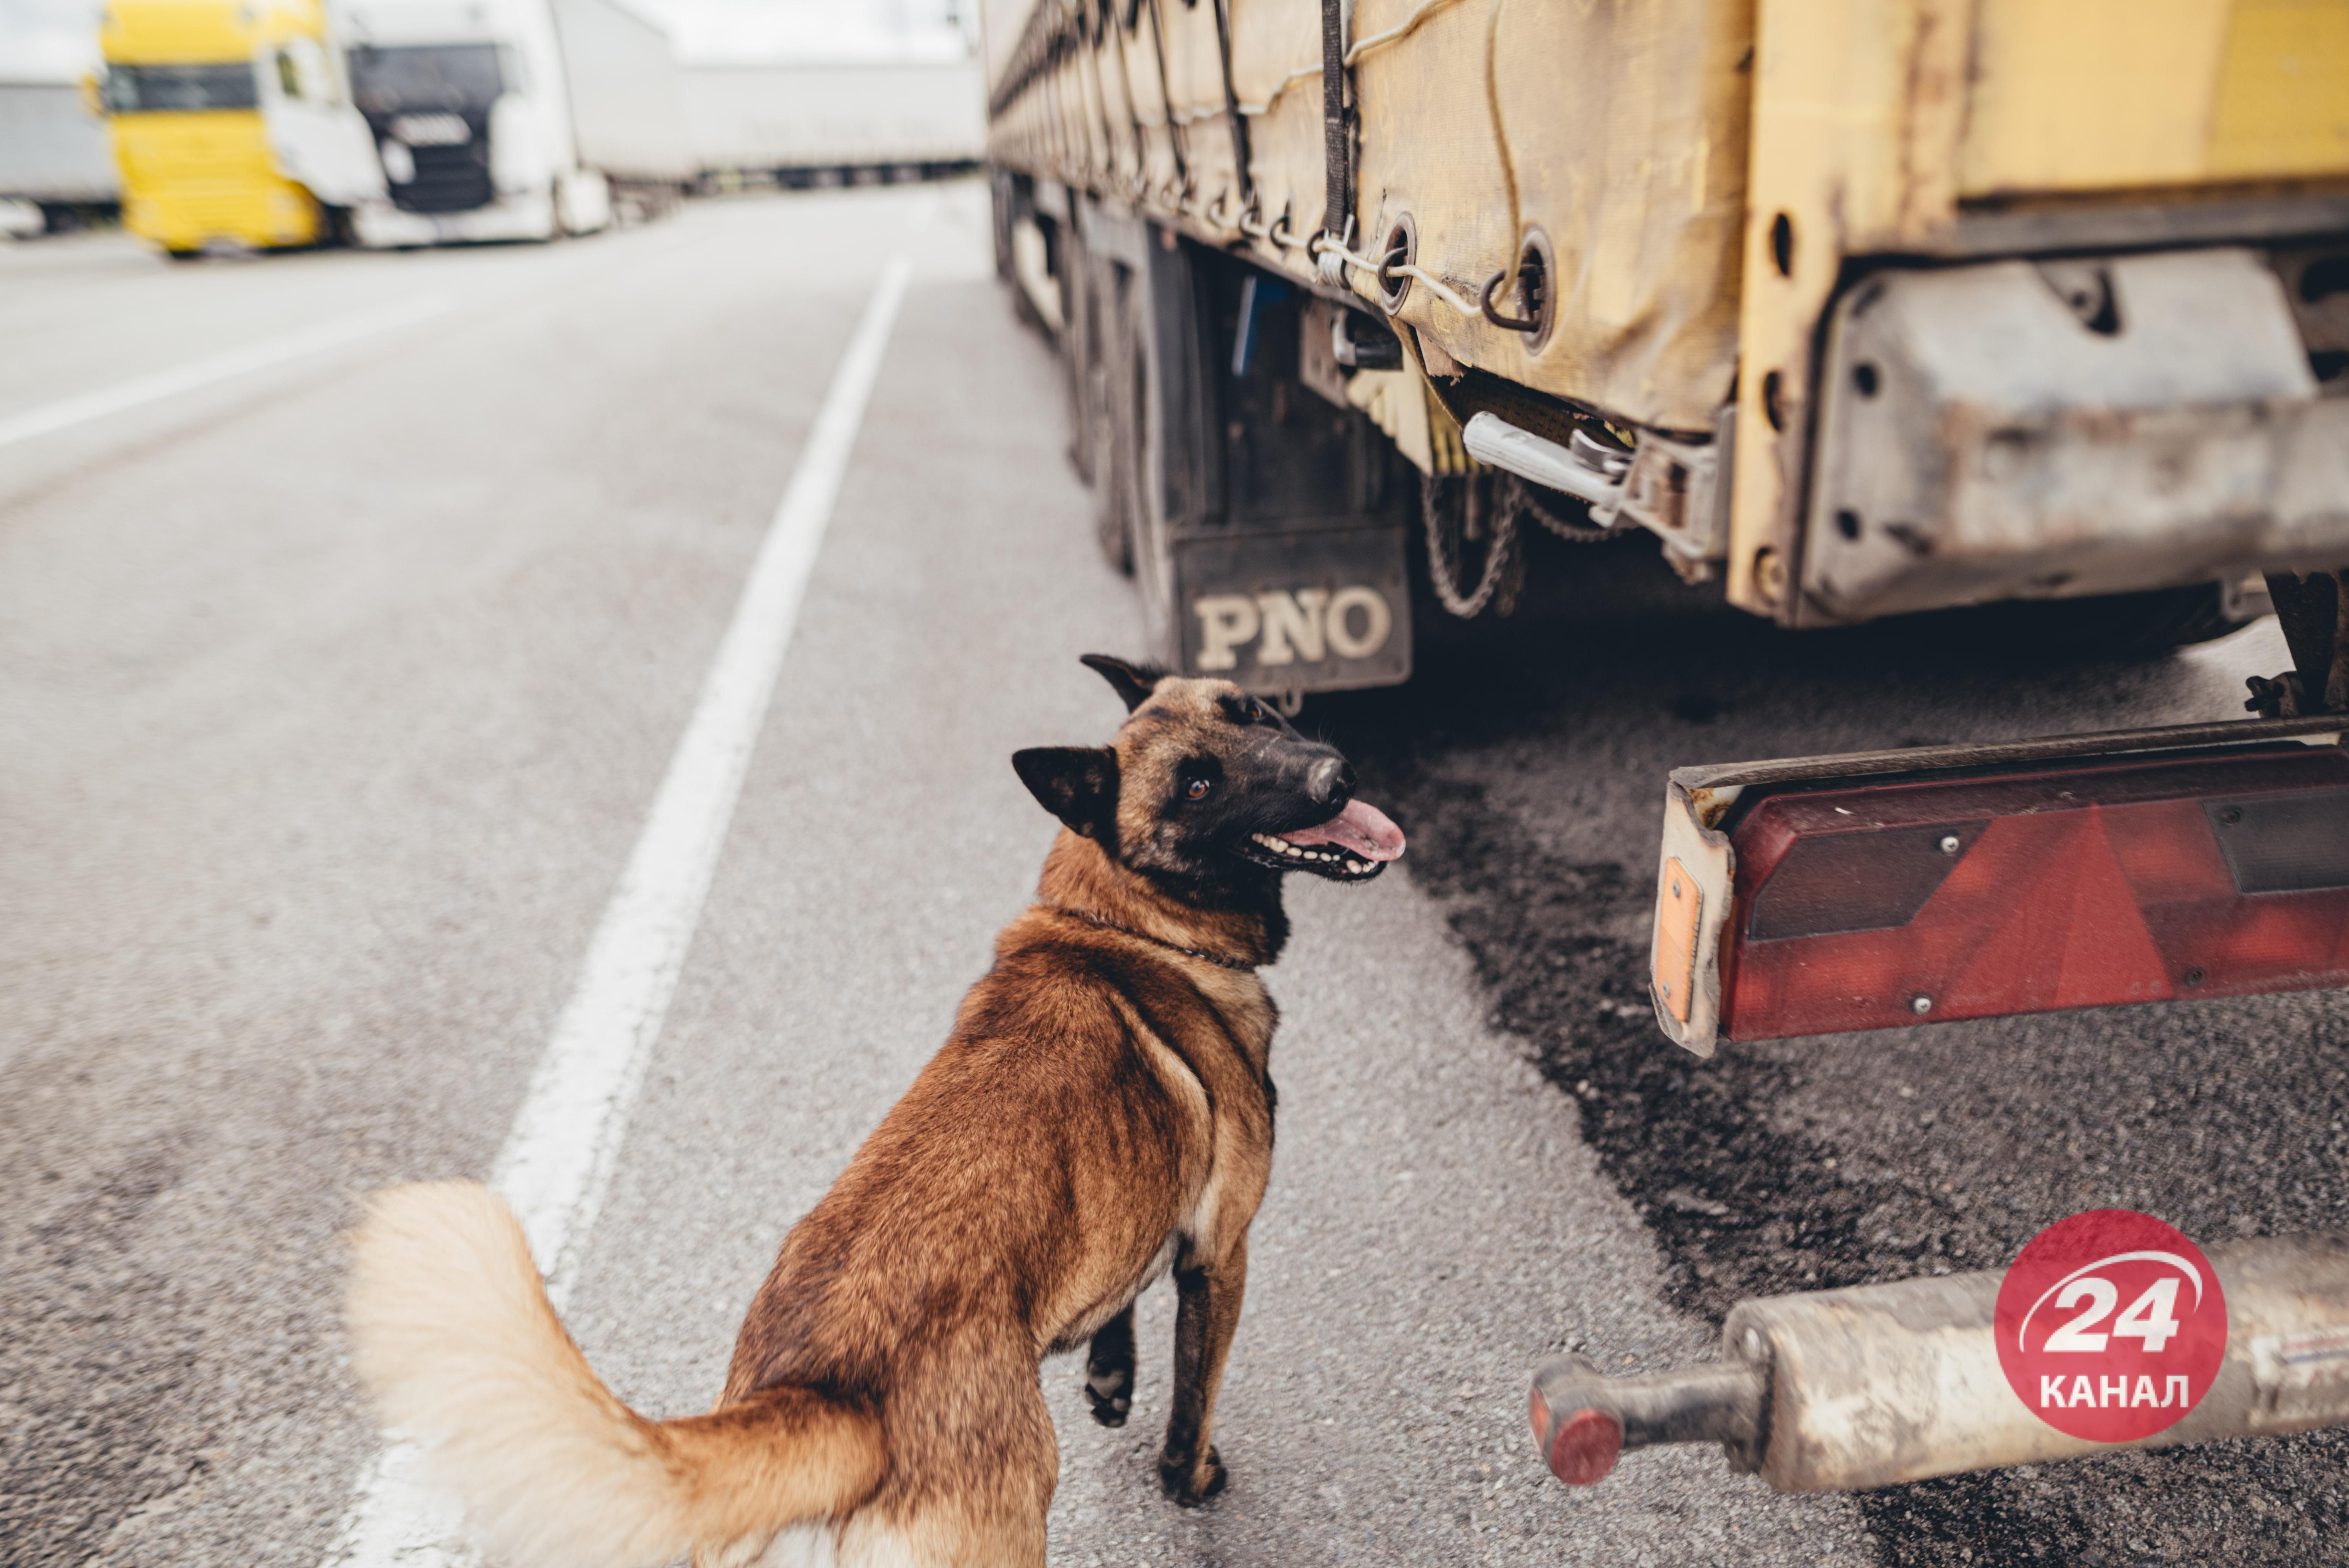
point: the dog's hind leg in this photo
(1109, 1370)
(1207, 1310)
(975, 1461)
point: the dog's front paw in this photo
(1192, 1483)
(1110, 1391)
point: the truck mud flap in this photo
(1815, 895)
(1308, 610)
(1267, 527)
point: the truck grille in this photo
(448, 178)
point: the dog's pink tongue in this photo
(1361, 828)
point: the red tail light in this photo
(2067, 888)
(1861, 903)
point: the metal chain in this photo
(1521, 500)
(1511, 500)
(1502, 576)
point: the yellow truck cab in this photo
(230, 122)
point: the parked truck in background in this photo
(817, 121)
(1853, 309)
(55, 167)
(230, 121)
(511, 119)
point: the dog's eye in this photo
(1197, 789)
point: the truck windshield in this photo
(438, 76)
(152, 90)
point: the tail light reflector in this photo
(2021, 885)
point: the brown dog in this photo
(1102, 1113)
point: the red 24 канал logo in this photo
(2111, 1326)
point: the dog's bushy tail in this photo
(454, 1336)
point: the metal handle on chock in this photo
(1583, 1419)
(1840, 1390)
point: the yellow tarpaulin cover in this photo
(1618, 130)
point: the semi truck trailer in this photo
(1851, 309)
(54, 157)
(511, 119)
(809, 121)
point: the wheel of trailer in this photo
(1106, 457)
(2151, 625)
(1089, 290)
(2128, 628)
(1002, 204)
(1078, 342)
(1140, 461)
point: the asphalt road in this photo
(336, 690)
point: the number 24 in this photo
(2151, 1318)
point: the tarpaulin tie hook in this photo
(1492, 314)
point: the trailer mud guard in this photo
(1267, 527)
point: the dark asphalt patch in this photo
(1742, 1208)
(1811, 1165)
(100, 1393)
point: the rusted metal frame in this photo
(1989, 229)
(1792, 393)
(1941, 758)
(2313, 608)
(1818, 204)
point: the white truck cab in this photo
(471, 117)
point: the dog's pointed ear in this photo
(1077, 784)
(1134, 683)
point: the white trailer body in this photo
(627, 94)
(53, 148)
(847, 115)
(510, 119)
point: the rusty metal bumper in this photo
(2016, 430)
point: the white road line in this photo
(557, 1159)
(203, 372)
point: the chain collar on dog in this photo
(1090, 919)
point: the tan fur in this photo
(1101, 1114)
(456, 1339)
